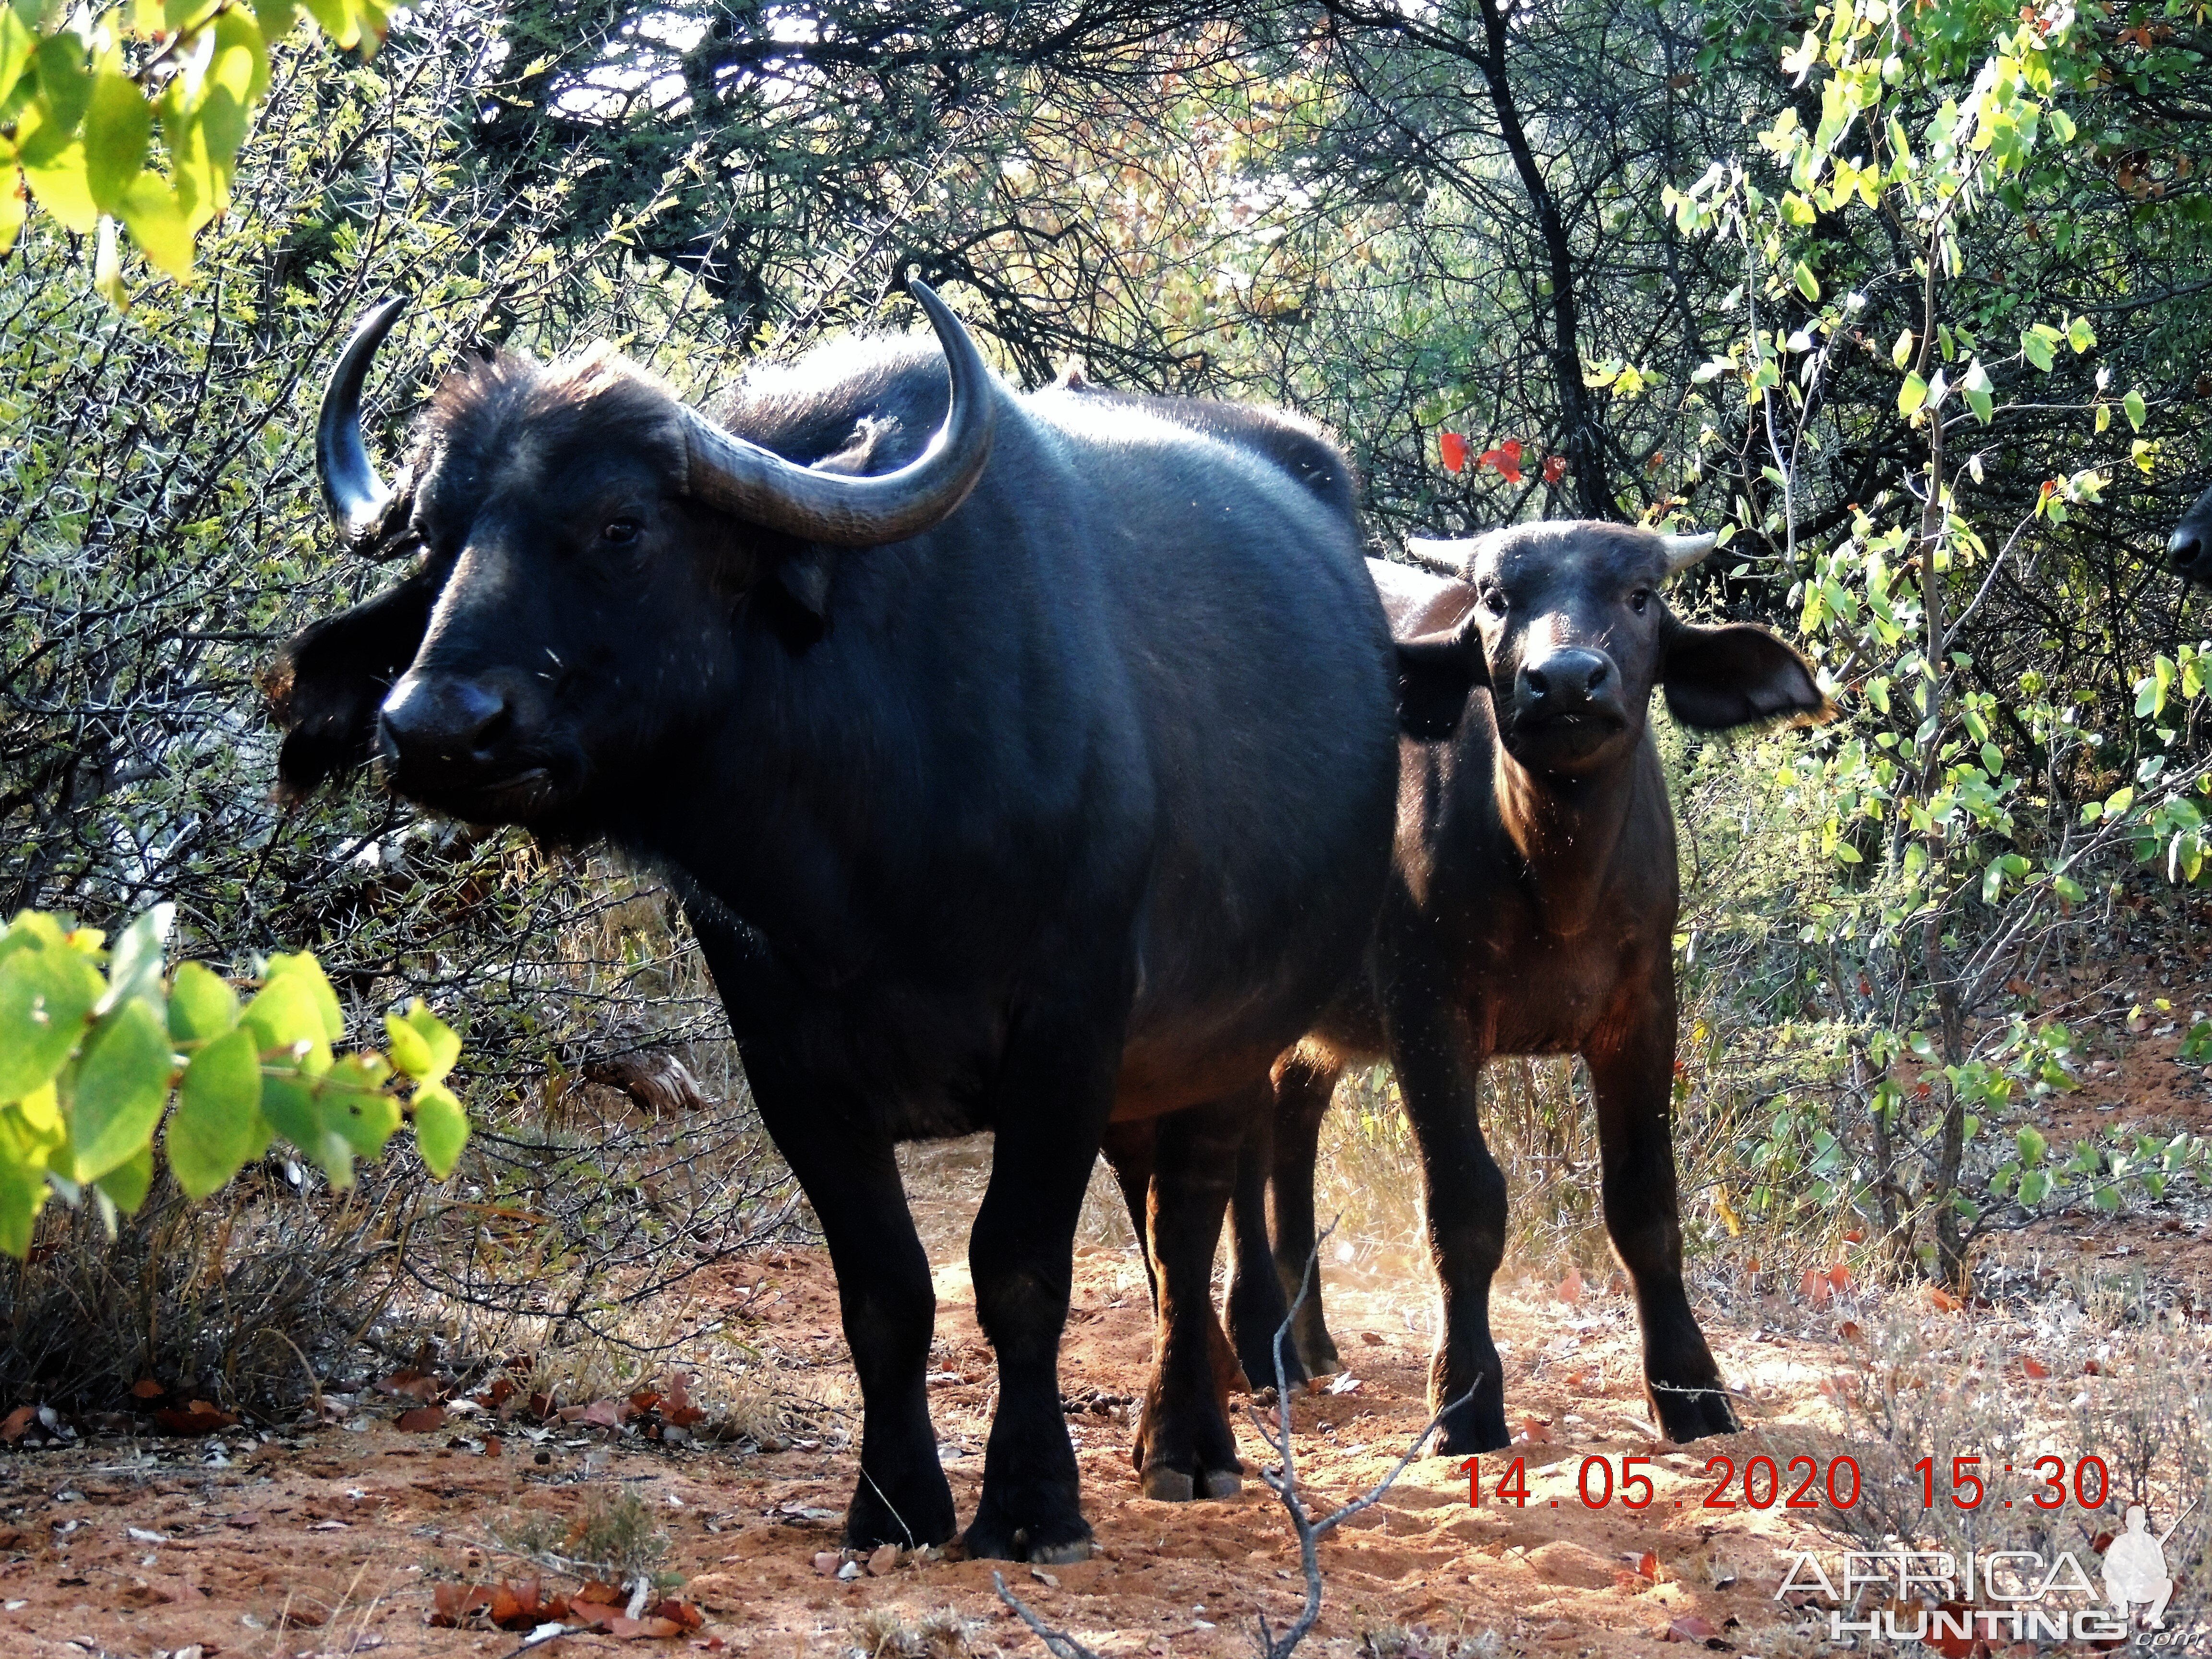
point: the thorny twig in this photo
(1285, 1483)
(1060, 1644)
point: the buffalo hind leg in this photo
(1185, 1446)
(1130, 1149)
(1053, 1095)
(1439, 1067)
(1257, 1304)
(1303, 1091)
(1633, 1080)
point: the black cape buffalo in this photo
(1025, 762)
(1532, 910)
(2190, 547)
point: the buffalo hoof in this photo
(1685, 1412)
(1055, 1545)
(1317, 1351)
(1168, 1486)
(922, 1514)
(1466, 1433)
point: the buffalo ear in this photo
(1437, 674)
(1737, 675)
(807, 574)
(330, 679)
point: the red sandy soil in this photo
(329, 1541)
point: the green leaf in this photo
(422, 1045)
(1808, 285)
(2034, 1187)
(64, 73)
(2036, 349)
(441, 1128)
(201, 1004)
(134, 966)
(1912, 395)
(2108, 1198)
(2137, 411)
(46, 997)
(17, 44)
(304, 968)
(1901, 353)
(117, 127)
(2032, 1145)
(121, 1085)
(276, 18)
(294, 1109)
(284, 1016)
(218, 1124)
(237, 75)
(355, 1104)
(127, 1184)
(158, 225)
(60, 185)
(23, 1195)
(2080, 335)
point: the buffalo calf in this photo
(1531, 911)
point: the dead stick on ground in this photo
(1284, 1481)
(1057, 1643)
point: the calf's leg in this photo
(1439, 1066)
(1303, 1091)
(1632, 1072)
(1257, 1304)
(1185, 1446)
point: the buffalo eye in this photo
(620, 532)
(1491, 598)
(1641, 599)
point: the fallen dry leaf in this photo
(16, 1424)
(416, 1385)
(197, 1417)
(147, 1389)
(420, 1419)
(2035, 1369)
(1690, 1628)
(1571, 1288)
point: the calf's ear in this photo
(1437, 674)
(1737, 675)
(330, 679)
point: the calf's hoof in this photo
(1687, 1412)
(1163, 1484)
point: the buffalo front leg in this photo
(1050, 1115)
(1632, 1076)
(1303, 1091)
(1185, 1447)
(889, 1308)
(1439, 1068)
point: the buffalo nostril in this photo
(1537, 682)
(1596, 675)
(2185, 549)
(443, 715)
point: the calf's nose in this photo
(442, 716)
(1566, 679)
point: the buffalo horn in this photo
(757, 485)
(1683, 551)
(1445, 558)
(358, 497)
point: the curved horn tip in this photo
(355, 496)
(1446, 558)
(1683, 551)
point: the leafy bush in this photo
(91, 1060)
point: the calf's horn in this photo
(1683, 551)
(756, 485)
(357, 497)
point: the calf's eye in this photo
(620, 532)
(1640, 599)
